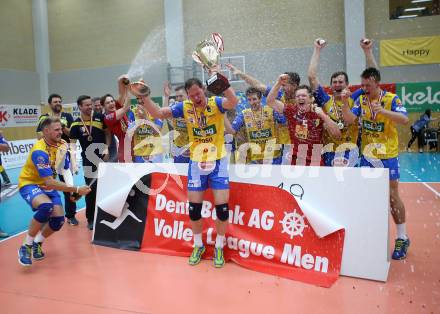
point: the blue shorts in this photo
(145, 159)
(210, 174)
(180, 154)
(31, 191)
(181, 159)
(392, 164)
(349, 158)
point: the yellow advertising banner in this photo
(416, 50)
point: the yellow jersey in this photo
(181, 132)
(205, 128)
(349, 133)
(283, 134)
(146, 140)
(260, 129)
(40, 163)
(379, 133)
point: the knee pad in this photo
(222, 211)
(55, 223)
(43, 212)
(195, 211)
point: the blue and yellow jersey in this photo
(39, 164)
(282, 129)
(181, 132)
(379, 133)
(333, 108)
(205, 128)
(260, 128)
(283, 135)
(146, 140)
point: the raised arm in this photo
(271, 99)
(230, 100)
(156, 111)
(367, 47)
(122, 98)
(314, 62)
(247, 78)
(122, 89)
(166, 93)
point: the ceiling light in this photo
(415, 9)
(407, 16)
(420, 1)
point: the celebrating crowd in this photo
(288, 123)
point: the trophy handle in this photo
(218, 40)
(196, 58)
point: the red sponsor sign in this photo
(266, 234)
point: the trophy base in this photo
(217, 84)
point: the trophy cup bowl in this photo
(138, 88)
(207, 54)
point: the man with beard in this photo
(259, 123)
(38, 188)
(306, 123)
(97, 107)
(343, 151)
(379, 111)
(56, 110)
(94, 137)
(208, 158)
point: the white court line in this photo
(16, 235)
(432, 189)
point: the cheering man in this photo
(379, 112)
(208, 159)
(38, 188)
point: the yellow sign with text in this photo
(416, 50)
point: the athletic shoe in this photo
(196, 255)
(400, 249)
(7, 183)
(24, 255)
(72, 221)
(37, 252)
(219, 259)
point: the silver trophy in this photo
(138, 88)
(207, 54)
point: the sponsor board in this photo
(417, 97)
(19, 115)
(17, 154)
(415, 50)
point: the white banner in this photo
(19, 115)
(18, 152)
(331, 197)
